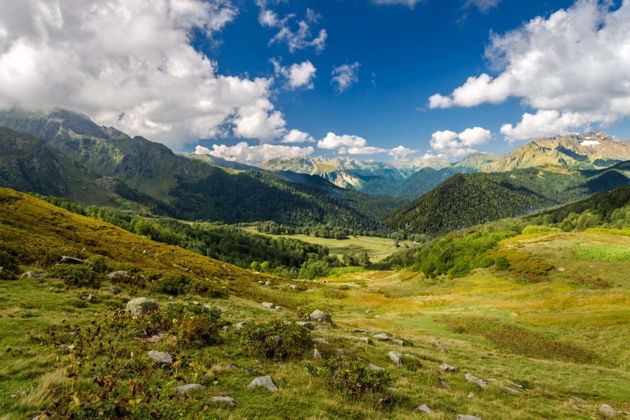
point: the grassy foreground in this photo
(547, 347)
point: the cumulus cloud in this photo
(296, 33)
(297, 136)
(129, 63)
(450, 145)
(348, 145)
(243, 152)
(410, 3)
(570, 67)
(401, 152)
(482, 5)
(345, 76)
(298, 75)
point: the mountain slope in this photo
(190, 189)
(470, 199)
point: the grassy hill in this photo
(549, 346)
(470, 199)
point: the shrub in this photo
(276, 340)
(77, 275)
(351, 377)
(171, 284)
(9, 266)
(540, 229)
(501, 263)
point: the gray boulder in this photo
(607, 411)
(396, 357)
(117, 274)
(474, 380)
(467, 417)
(189, 389)
(398, 341)
(316, 354)
(320, 316)
(425, 409)
(305, 324)
(382, 337)
(447, 368)
(33, 275)
(320, 340)
(375, 367)
(160, 357)
(142, 306)
(268, 305)
(70, 260)
(229, 401)
(263, 382)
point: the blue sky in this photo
(237, 78)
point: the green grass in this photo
(604, 253)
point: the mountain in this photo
(470, 199)
(220, 162)
(185, 188)
(575, 151)
(378, 178)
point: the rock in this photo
(471, 395)
(447, 368)
(473, 379)
(607, 411)
(444, 385)
(33, 275)
(467, 417)
(436, 342)
(70, 260)
(561, 269)
(116, 274)
(398, 341)
(268, 305)
(279, 308)
(240, 325)
(160, 357)
(112, 289)
(225, 328)
(393, 389)
(396, 357)
(189, 389)
(229, 401)
(425, 409)
(305, 324)
(366, 340)
(374, 367)
(293, 287)
(90, 297)
(359, 330)
(320, 340)
(340, 352)
(316, 354)
(142, 306)
(320, 316)
(263, 382)
(268, 283)
(382, 337)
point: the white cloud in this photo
(128, 63)
(243, 152)
(298, 75)
(410, 3)
(363, 150)
(570, 67)
(345, 76)
(296, 33)
(401, 152)
(450, 145)
(482, 5)
(297, 136)
(333, 141)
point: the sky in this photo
(250, 80)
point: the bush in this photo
(9, 266)
(171, 284)
(77, 275)
(540, 229)
(501, 263)
(351, 377)
(276, 340)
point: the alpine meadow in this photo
(301, 209)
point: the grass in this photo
(557, 339)
(377, 248)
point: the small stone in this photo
(477, 381)
(366, 340)
(398, 341)
(305, 324)
(70, 260)
(607, 411)
(471, 395)
(425, 409)
(116, 274)
(240, 325)
(393, 389)
(561, 269)
(229, 401)
(316, 354)
(160, 357)
(447, 368)
(189, 389)
(142, 306)
(374, 367)
(90, 297)
(33, 275)
(444, 385)
(320, 340)
(263, 382)
(293, 287)
(279, 308)
(396, 357)
(359, 330)
(268, 283)
(320, 316)
(438, 345)
(467, 417)
(225, 328)
(381, 336)
(268, 305)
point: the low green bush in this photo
(351, 377)
(276, 340)
(77, 275)
(9, 266)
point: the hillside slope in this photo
(470, 199)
